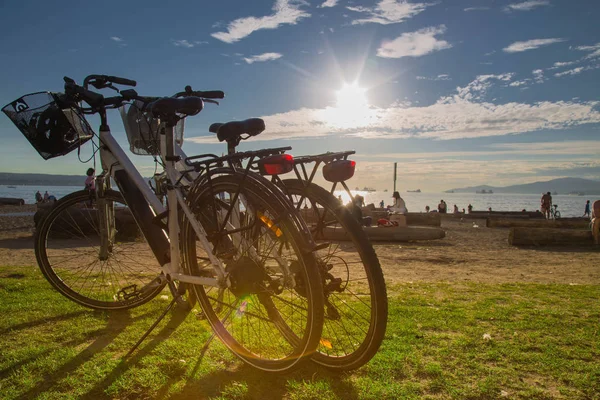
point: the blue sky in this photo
(457, 92)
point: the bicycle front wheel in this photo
(96, 255)
(263, 317)
(354, 287)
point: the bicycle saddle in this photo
(167, 107)
(234, 129)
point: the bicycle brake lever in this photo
(210, 101)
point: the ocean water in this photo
(27, 193)
(569, 206)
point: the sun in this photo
(351, 109)
(351, 97)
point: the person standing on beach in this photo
(39, 198)
(586, 213)
(546, 204)
(381, 204)
(426, 209)
(470, 208)
(455, 209)
(46, 196)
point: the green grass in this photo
(544, 344)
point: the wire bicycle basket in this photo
(51, 127)
(143, 129)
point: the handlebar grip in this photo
(92, 98)
(211, 94)
(121, 81)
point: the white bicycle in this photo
(225, 232)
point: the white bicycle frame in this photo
(113, 159)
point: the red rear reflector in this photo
(339, 171)
(276, 165)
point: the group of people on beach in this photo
(46, 198)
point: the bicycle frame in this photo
(148, 210)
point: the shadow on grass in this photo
(264, 385)
(117, 322)
(259, 384)
(176, 318)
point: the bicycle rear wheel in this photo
(354, 287)
(257, 241)
(120, 274)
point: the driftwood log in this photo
(565, 223)
(530, 214)
(80, 221)
(412, 219)
(522, 236)
(8, 201)
(389, 234)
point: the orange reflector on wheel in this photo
(267, 221)
(326, 343)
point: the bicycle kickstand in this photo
(153, 326)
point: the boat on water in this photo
(483, 191)
(368, 189)
(12, 187)
(385, 190)
(414, 191)
(449, 191)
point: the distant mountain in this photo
(7, 178)
(561, 186)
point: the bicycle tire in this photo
(67, 253)
(259, 309)
(342, 346)
(557, 214)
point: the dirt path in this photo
(466, 254)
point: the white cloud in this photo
(576, 71)
(538, 75)
(462, 115)
(441, 77)
(389, 12)
(560, 64)
(285, 12)
(476, 8)
(527, 5)
(116, 38)
(594, 49)
(518, 47)
(328, 3)
(520, 83)
(182, 43)
(414, 44)
(263, 57)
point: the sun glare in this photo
(351, 108)
(351, 97)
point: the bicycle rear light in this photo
(276, 165)
(339, 171)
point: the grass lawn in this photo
(469, 341)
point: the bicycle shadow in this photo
(116, 324)
(176, 318)
(260, 384)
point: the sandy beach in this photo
(467, 253)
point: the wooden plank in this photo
(571, 223)
(9, 201)
(523, 236)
